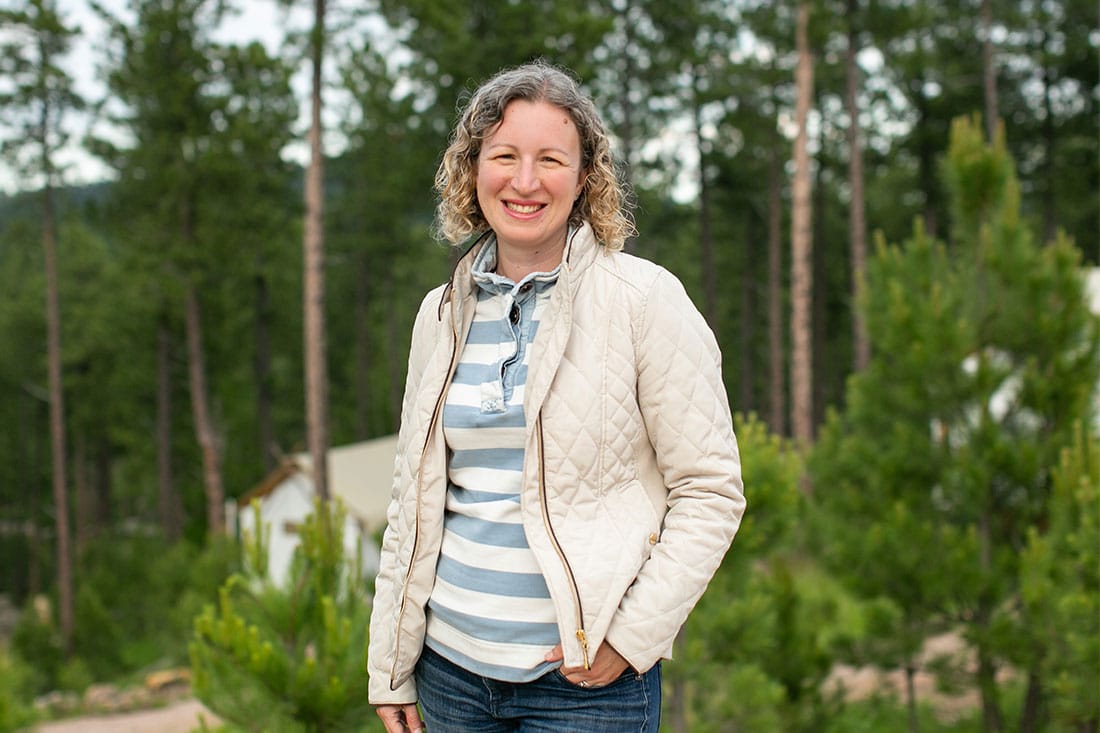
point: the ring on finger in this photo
(583, 683)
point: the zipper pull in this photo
(583, 639)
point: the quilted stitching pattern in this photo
(657, 411)
(637, 442)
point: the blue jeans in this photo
(453, 700)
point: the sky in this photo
(258, 20)
(266, 21)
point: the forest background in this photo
(171, 332)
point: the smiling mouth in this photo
(522, 208)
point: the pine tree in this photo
(747, 653)
(313, 266)
(289, 658)
(1060, 586)
(942, 461)
(41, 96)
(164, 76)
(802, 424)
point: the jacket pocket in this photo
(630, 510)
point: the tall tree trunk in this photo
(857, 226)
(394, 361)
(362, 347)
(84, 522)
(911, 697)
(677, 704)
(1031, 717)
(626, 129)
(314, 292)
(926, 161)
(101, 485)
(169, 501)
(27, 460)
(777, 403)
(706, 241)
(205, 434)
(261, 367)
(748, 319)
(57, 406)
(823, 367)
(1050, 215)
(801, 244)
(989, 71)
(34, 560)
(992, 720)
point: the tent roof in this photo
(360, 474)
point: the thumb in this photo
(555, 654)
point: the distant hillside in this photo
(25, 203)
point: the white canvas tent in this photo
(360, 475)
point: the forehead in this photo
(525, 120)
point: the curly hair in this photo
(603, 202)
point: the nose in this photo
(526, 177)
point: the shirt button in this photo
(653, 538)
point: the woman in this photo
(567, 478)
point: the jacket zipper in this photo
(582, 637)
(419, 484)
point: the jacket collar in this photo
(581, 249)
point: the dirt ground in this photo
(863, 682)
(182, 716)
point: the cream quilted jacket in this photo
(631, 482)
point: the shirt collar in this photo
(484, 264)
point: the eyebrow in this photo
(560, 151)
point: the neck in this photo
(517, 265)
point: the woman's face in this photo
(528, 176)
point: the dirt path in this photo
(181, 716)
(863, 682)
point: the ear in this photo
(580, 185)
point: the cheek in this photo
(481, 187)
(488, 181)
(574, 187)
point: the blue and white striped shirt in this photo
(490, 611)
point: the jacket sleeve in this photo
(686, 412)
(387, 586)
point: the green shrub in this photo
(289, 659)
(74, 676)
(751, 628)
(134, 605)
(15, 691)
(879, 714)
(136, 599)
(37, 640)
(99, 632)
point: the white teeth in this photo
(523, 209)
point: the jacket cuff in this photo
(381, 694)
(641, 659)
